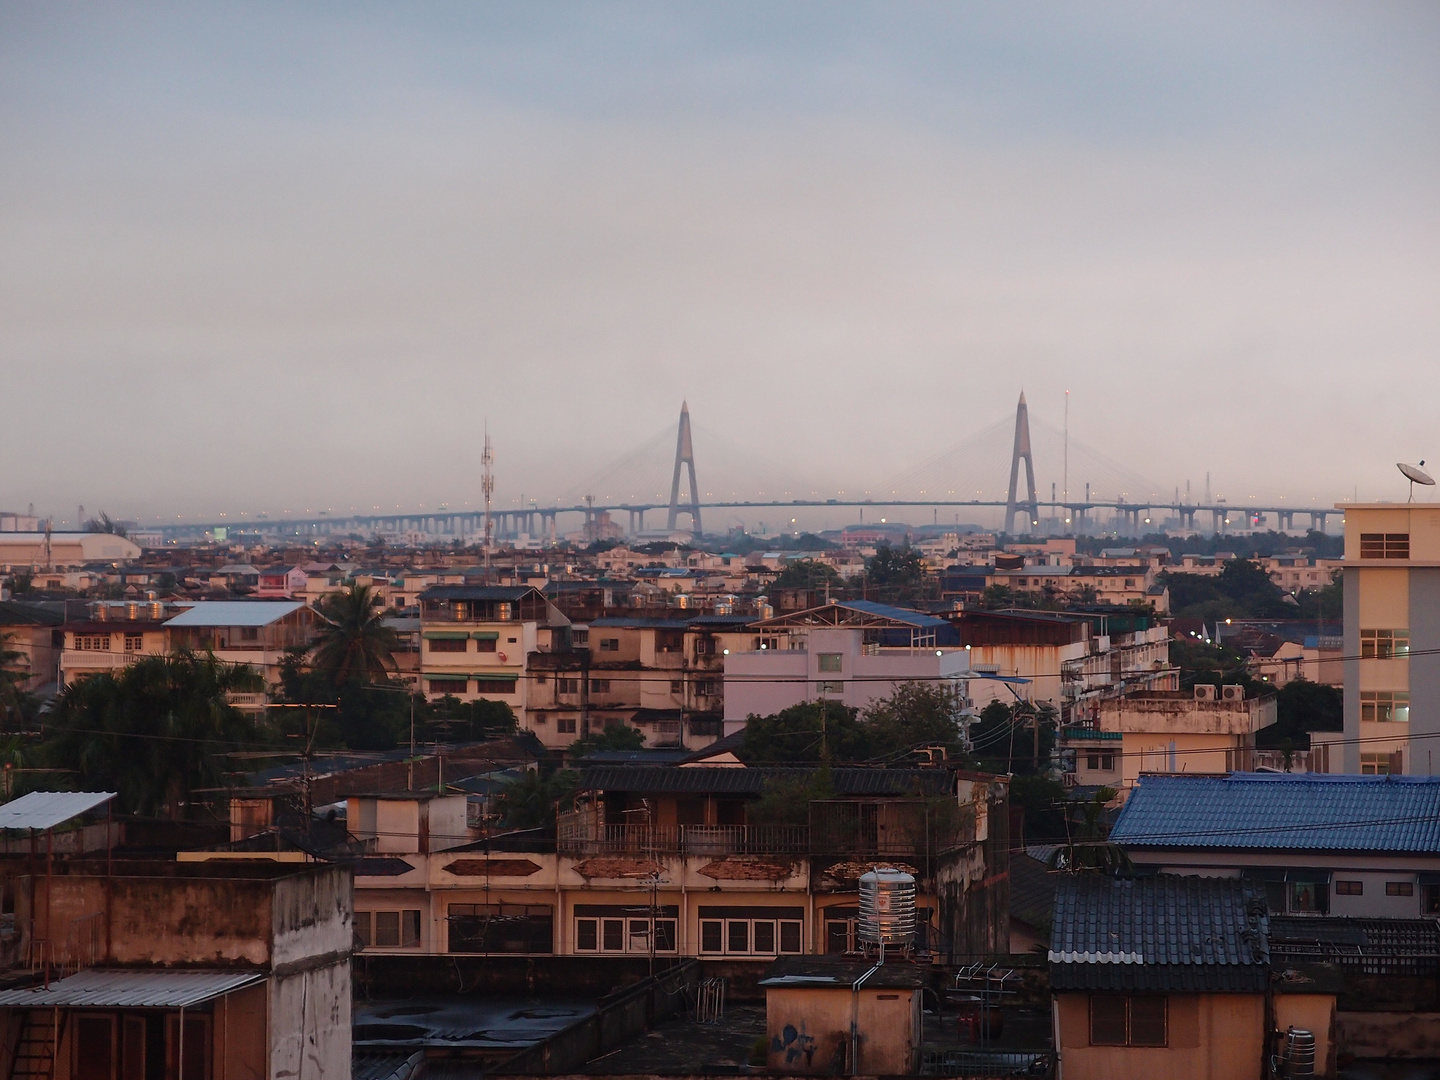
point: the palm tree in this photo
(354, 645)
(15, 702)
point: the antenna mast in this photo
(487, 487)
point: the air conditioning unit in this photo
(1232, 693)
(1204, 692)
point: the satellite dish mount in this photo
(1416, 475)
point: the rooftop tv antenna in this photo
(487, 487)
(1416, 475)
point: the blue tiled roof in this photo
(1278, 812)
(1161, 933)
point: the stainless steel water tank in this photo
(887, 907)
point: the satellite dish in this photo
(1416, 475)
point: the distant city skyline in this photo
(293, 258)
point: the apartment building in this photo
(852, 652)
(116, 635)
(130, 967)
(1203, 730)
(482, 642)
(666, 861)
(255, 633)
(1391, 640)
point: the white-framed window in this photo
(1384, 644)
(609, 644)
(134, 642)
(828, 661)
(619, 928)
(1385, 706)
(92, 642)
(388, 929)
(751, 931)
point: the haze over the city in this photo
(290, 257)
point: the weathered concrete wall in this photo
(1402, 1035)
(310, 1024)
(1314, 1013)
(1210, 1035)
(809, 1030)
(313, 916)
(973, 888)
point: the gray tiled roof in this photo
(1164, 934)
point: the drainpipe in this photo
(855, 1012)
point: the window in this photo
(828, 661)
(486, 645)
(580, 635)
(391, 929)
(567, 686)
(1349, 888)
(1097, 761)
(362, 929)
(448, 686)
(92, 642)
(676, 686)
(541, 678)
(1384, 644)
(495, 686)
(1375, 764)
(249, 633)
(706, 688)
(501, 928)
(609, 644)
(1385, 706)
(1309, 897)
(830, 687)
(1384, 545)
(616, 928)
(565, 725)
(1431, 900)
(449, 645)
(134, 642)
(1127, 1021)
(1399, 888)
(751, 931)
(599, 686)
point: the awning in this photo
(111, 989)
(445, 635)
(46, 809)
(496, 676)
(447, 678)
(485, 635)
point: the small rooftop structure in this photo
(121, 989)
(1159, 934)
(235, 613)
(46, 809)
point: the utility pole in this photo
(487, 486)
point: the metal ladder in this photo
(35, 1052)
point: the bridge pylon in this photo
(1022, 451)
(684, 455)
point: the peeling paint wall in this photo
(310, 1024)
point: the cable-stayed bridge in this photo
(658, 479)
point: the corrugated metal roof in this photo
(112, 989)
(477, 592)
(889, 611)
(235, 613)
(1280, 812)
(1162, 933)
(46, 809)
(722, 780)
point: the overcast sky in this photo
(290, 256)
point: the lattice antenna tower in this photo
(487, 488)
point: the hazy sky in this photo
(289, 256)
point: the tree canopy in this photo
(155, 732)
(354, 644)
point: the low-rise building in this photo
(1205, 730)
(255, 633)
(1357, 846)
(1159, 976)
(33, 632)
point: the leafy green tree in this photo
(1301, 707)
(1201, 662)
(1089, 849)
(809, 574)
(464, 721)
(916, 714)
(614, 737)
(17, 705)
(1003, 739)
(156, 732)
(354, 643)
(895, 571)
(805, 734)
(785, 800)
(531, 802)
(1042, 802)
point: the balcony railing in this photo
(577, 837)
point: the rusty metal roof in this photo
(119, 989)
(46, 809)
